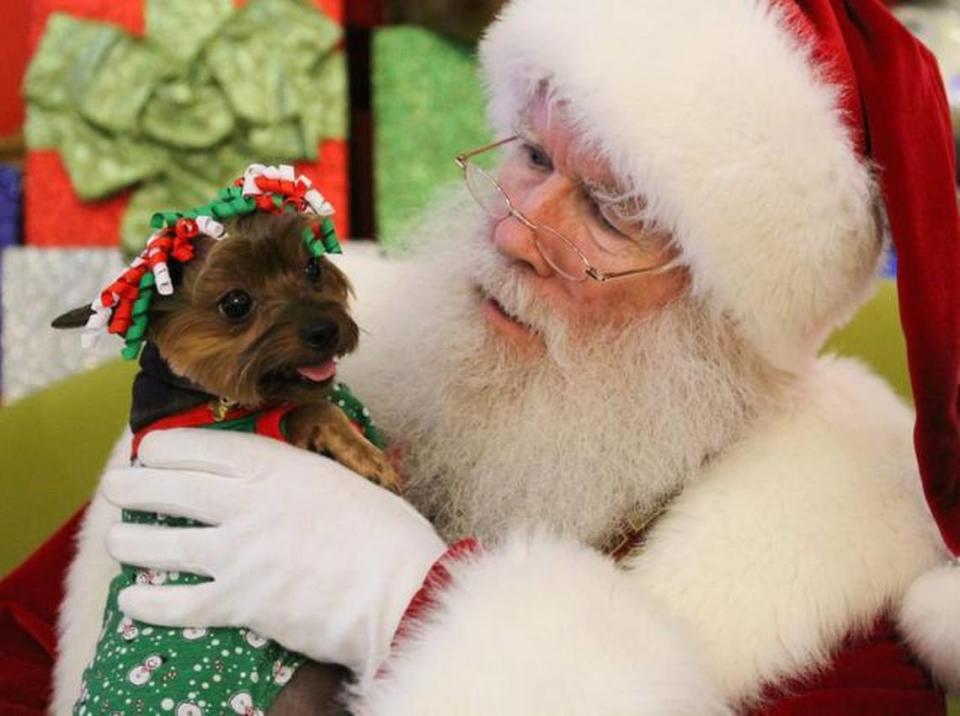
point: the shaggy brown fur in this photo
(247, 312)
(298, 317)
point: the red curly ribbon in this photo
(186, 228)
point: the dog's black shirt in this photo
(158, 392)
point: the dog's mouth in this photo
(304, 375)
(320, 373)
(297, 372)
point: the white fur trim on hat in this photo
(930, 620)
(714, 113)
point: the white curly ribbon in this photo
(210, 227)
(96, 325)
(284, 172)
(99, 320)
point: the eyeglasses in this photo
(561, 253)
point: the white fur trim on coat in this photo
(714, 113)
(88, 581)
(543, 626)
(804, 533)
(930, 619)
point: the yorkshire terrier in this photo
(255, 322)
(253, 328)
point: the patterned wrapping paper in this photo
(11, 200)
(429, 106)
(11, 195)
(137, 105)
(37, 286)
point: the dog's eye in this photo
(235, 304)
(312, 271)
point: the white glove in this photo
(302, 550)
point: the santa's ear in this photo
(77, 318)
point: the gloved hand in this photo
(301, 549)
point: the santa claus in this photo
(645, 492)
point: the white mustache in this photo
(505, 281)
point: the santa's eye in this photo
(608, 219)
(235, 304)
(312, 271)
(537, 158)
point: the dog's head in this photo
(255, 317)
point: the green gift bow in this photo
(182, 111)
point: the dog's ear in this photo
(77, 318)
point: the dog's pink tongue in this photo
(318, 373)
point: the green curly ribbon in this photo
(328, 236)
(326, 243)
(230, 202)
(137, 332)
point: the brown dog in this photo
(257, 321)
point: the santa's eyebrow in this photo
(627, 206)
(605, 193)
(524, 129)
(523, 126)
(599, 187)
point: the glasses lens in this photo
(487, 192)
(561, 254)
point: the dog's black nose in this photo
(321, 335)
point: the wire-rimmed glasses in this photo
(561, 253)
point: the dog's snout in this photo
(321, 335)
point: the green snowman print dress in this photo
(147, 669)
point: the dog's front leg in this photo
(324, 428)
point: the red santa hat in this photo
(764, 134)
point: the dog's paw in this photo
(381, 472)
(327, 430)
(361, 456)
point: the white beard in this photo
(609, 421)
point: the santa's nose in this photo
(517, 236)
